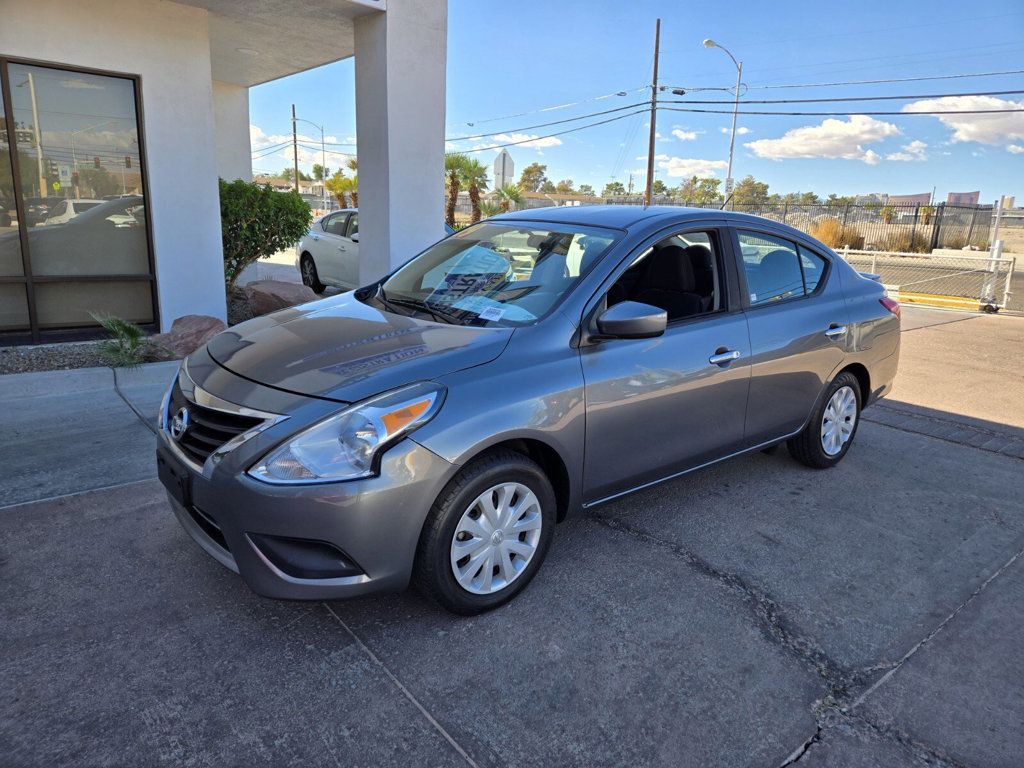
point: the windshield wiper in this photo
(439, 315)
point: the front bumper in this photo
(370, 527)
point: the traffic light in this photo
(51, 169)
(74, 179)
(127, 161)
(96, 163)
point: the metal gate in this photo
(960, 282)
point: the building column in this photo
(400, 111)
(231, 122)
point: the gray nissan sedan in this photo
(434, 427)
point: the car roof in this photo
(626, 216)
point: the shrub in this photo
(257, 222)
(833, 233)
(904, 242)
(127, 346)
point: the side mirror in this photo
(632, 320)
(354, 237)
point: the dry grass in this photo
(833, 233)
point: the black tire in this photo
(807, 447)
(310, 277)
(432, 572)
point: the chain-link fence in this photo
(968, 282)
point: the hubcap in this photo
(307, 272)
(496, 538)
(839, 420)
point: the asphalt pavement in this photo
(755, 614)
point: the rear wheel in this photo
(487, 534)
(310, 277)
(830, 432)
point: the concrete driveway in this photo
(755, 614)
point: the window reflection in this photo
(80, 178)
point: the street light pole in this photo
(30, 82)
(323, 157)
(709, 43)
(295, 149)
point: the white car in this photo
(66, 210)
(329, 253)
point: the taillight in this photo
(891, 304)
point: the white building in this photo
(141, 105)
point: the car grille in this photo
(208, 429)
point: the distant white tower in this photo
(504, 170)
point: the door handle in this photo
(724, 358)
(341, 247)
(835, 331)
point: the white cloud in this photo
(992, 128)
(661, 157)
(680, 167)
(740, 130)
(308, 155)
(915, 150)
(834, 139)
(682, 135)
(531, 141)
(1016, 149)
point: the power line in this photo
(560, 106)
(558, 133)
(848, 98)
(888, 80)
(846, 114)
(545, 125)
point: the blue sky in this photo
(510, 58)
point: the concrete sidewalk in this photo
(72, 431)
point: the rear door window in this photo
(772, 268)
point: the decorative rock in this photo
(187, 334)
(267, 296)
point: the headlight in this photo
(346, 446)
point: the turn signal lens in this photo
(891, 304)
(399, 419)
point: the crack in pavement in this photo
(835, 708)
(401, 687)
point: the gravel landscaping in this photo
(51, 357)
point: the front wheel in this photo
(487, 534)
(830, 432)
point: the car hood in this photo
(342, 349)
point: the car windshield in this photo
(496, 274)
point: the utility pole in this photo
(654, 117)
(295, 149)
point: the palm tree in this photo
(474, 175)
(509, 195)
(351, 185)
(454, 163)
(489, 208)
(339, 186)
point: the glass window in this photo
(772, 268)
(76, 140)
(336, 224)
(491, 273)
(813, 266)
(11, 263)
(353, 225)
(13, 307)
(679, 274)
